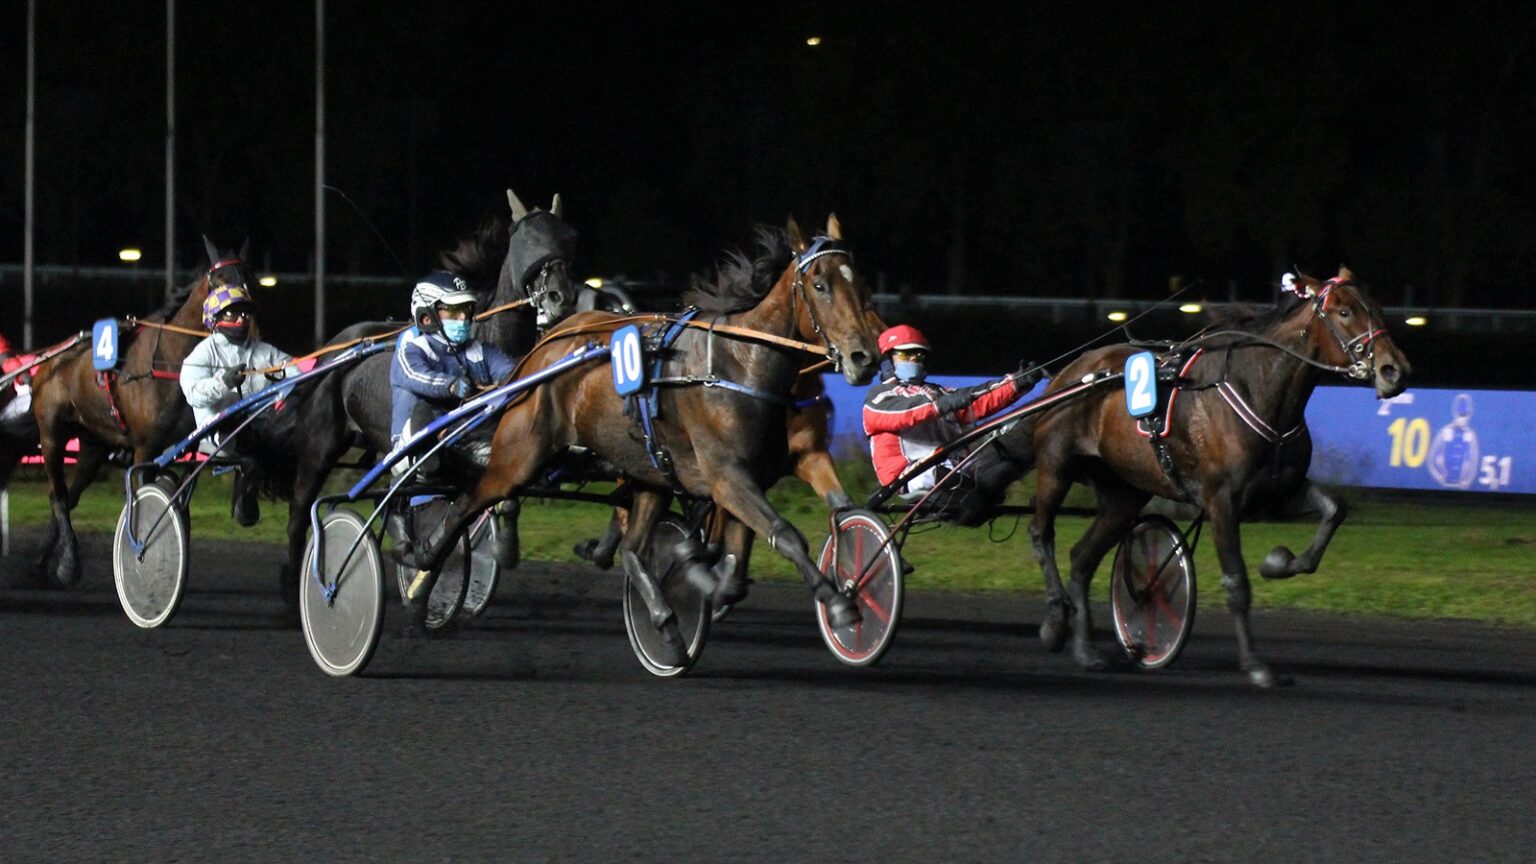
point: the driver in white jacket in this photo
(224, 368)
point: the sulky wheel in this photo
(451, 587)
(483, 569)
(868, 569)
(151, 579)
(341, 602)
(689, 603)
(1152, 595)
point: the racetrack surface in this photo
(534, 735)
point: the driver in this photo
(908, 418)
(438, 364)
(227, 366)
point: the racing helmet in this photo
(222, 298)
(903, 337)
(436, 289)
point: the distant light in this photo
(267, 281)
(1191, 308)
(1416, 321)
(813, 41)
(129, 255)
(1117, 317)
(594, 282)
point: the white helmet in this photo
(435, 290)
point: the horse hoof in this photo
(1053, 634)
(674, 652)
(1277, 564)
(1265, 678)
(841, 612)
(1090, 660)
(246, 512)
(700, 577)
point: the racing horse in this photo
(527, 257)
(705, 441)
(1233, 441)
(139, 407)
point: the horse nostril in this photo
(1390, 374)
(859, 358)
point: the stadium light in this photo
(129, 255)
(594, 282)
(1117, 317)
(268, 281)
(1191, 308)
(813, 41)
(1416, 321)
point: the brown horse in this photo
(713, 436)
(1235, 442)
(139, 407)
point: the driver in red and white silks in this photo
(907, 417)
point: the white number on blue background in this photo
(104, 342)
(628, 368)
(1140, 384)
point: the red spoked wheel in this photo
(868, 569)
(1152, 596)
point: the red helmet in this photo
(905, 337)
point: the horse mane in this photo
(741, 281)
(1253, 317)
(478, 257)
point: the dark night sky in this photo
(1071, 149)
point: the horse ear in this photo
(518, 210)
(213, 251)
(796, 239)
(1345, 274)
(245, 247)
(555, 207)
(834, 227)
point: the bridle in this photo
(1359, 351)
(542, 294)
(820, 247)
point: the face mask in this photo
(235, 332)
(456, 332)
(909, 371)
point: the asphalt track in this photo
(533, 735)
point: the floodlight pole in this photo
(319, 171)
(170, 147)
(28, 230)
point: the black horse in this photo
(527, 257)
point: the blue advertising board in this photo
(1432, 439)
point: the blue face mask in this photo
(456, 332)
(909, 371)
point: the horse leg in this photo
(508, 551)
(1234, 580)
(88, 462)
(313, 469)
(62, 551)
(1118, 508)
(728, 578)
(600, 550)
(736, 491)
(1281, 563)
(818, 472)
(1050, 491)
(647, 508)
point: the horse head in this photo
(1348, 329)
(540, 247)
(834, 303)
(226, 270)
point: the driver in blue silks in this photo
(438, 365)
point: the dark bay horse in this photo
(1236, 442)
(140, 407)
(723, 443)
(528, 257)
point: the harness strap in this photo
(104, 380)
(1245, 413)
